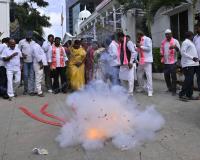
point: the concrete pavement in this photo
(178, 140)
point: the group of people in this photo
(28, 61)
(119, 61)
(190, 57)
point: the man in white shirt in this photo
(127, 57)
(169, 52)
(47, 46)
(144, 48)
(58, 66)
(114, 51)
(3, 76)
(11, 57)
(189, 61)
(39, 60)
(26, 47)
(196, 41)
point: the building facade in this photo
(179, 19)
(73, 8)
(108, 18)
(5, 18)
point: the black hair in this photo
(189, 34)
(50, 35)
(69, 42)
(128, 36)
(120, 35)
(57, 38)
(141, 33)
(77, 42)
(6, 40)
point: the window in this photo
(179, 24)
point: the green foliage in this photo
(157, 65)
(30, 18)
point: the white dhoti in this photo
(126, 76)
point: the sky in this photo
(54, 11)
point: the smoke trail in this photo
(104, 113)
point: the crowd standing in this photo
(118, 61)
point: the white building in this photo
(107, 19)
(5, 18)
(83, 15)
(180, 19)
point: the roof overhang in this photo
(102, 5)
(177, 9)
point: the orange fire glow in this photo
(95, 134)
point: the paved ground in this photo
(179, 140)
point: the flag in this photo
(62, 17)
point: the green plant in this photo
(157, 65)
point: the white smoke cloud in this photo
(105, 113)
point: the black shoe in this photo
(64, 91)
(184, 98)
(32, 94)
(10, 98)
(5, 96)
(56, 92)
(41, 95)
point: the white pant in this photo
(129, 85)
(147, 69)
(38, 78)
(13, 76)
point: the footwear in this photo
(41, 95)
(10, 98)
(6, 97)
(56, 92)
(150, 94)
(32, 94)
(194, 98)
(50, 91)
(184, 98)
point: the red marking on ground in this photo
(37, 118)
(44, 112)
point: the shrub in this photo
(157, 65)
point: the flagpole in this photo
(62, 21)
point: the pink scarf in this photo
(125, 54)
(171, 51)
(141, 52)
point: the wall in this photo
(128, 25)
(5, 18)
(159, 25)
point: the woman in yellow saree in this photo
(76, 67)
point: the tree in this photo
(29, 18)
